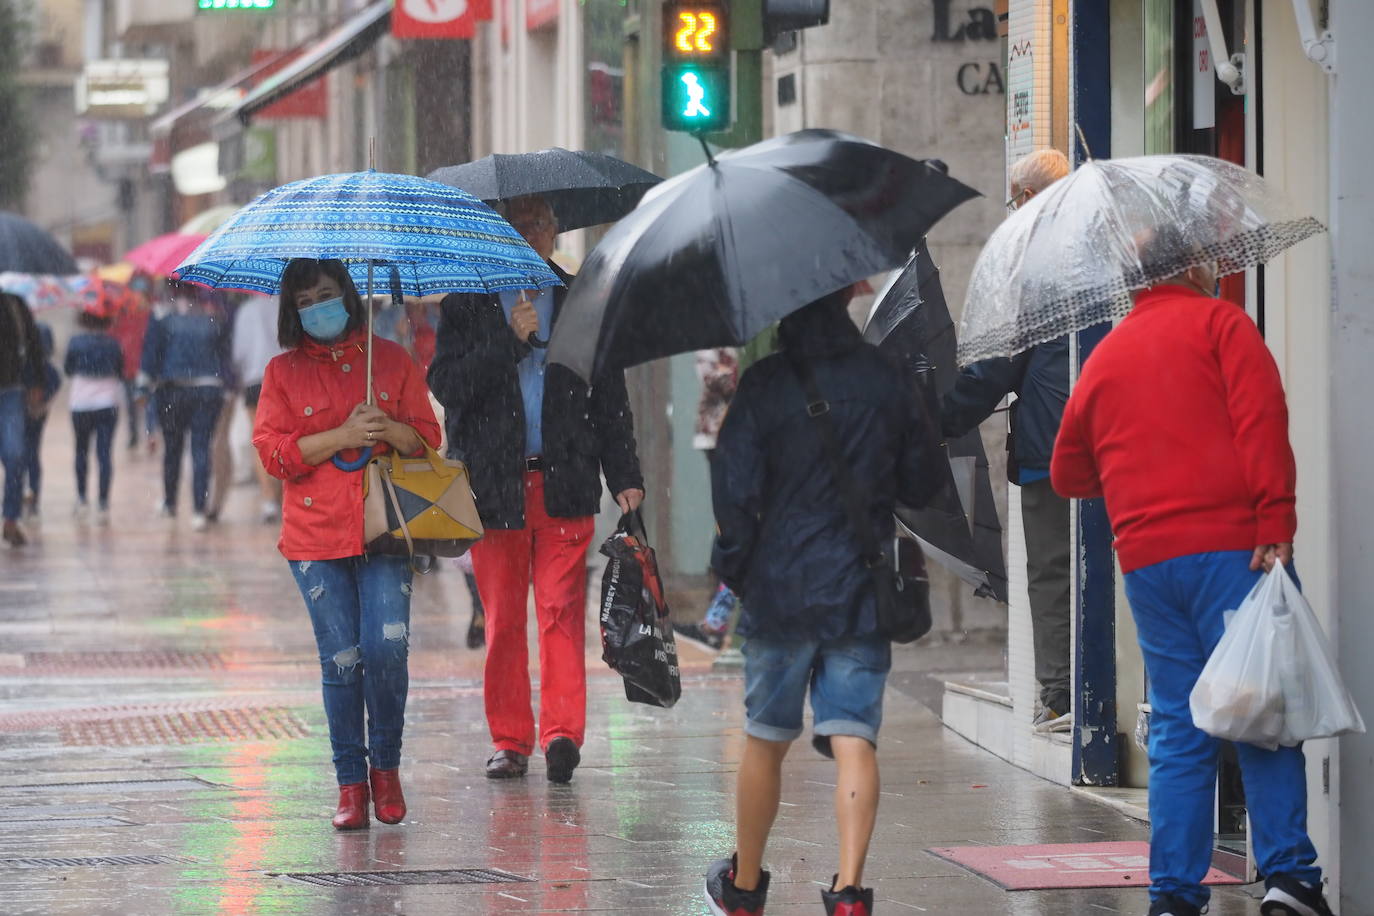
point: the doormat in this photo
(1056, 865)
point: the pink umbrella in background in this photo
(162, 255)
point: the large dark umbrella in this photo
(26, 249)
(713, 256)
(959, 527)
(585, 189)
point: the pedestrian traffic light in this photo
(696, 66)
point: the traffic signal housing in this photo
(696, 66)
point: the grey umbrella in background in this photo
(959, 528)
(1072, 257)
(584, 189)
(27, 249)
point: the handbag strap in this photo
(818, 409)
(390, 487)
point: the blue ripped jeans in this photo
(360, 609)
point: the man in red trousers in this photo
(536, 439)
(1178, 421)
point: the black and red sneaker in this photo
(727, 900)
(851, 901)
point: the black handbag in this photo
(900, 584)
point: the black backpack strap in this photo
(855, 503)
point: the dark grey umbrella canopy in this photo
(27, 249)
(959, 527)
(713, 256)
(585, 189)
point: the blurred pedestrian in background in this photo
(787, 547)
(95, 365)
(254, 346)
(313, 407)
(36, 422)
(1040, 379)
(537, 439)
(186, 360)
(21, 391)
(130, 325)
(718, 370)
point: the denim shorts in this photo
(846, 678)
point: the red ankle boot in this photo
(386, 795)
(352, 812)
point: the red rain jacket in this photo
(311, 389)
(1179, 421)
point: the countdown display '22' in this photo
(695, 32)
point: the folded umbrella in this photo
(1073, 256)
(713, 256)
(959, 527)
(27, 249)
(163, 255)
(584, 189)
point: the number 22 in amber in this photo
(695, 34)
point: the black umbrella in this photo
(585, 189)
(26, 249)
(959, 527)
(713, 256)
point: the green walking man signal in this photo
(696, 66)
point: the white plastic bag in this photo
(1272, 678)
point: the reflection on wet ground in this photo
(159, 700)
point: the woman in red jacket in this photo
(314, 406)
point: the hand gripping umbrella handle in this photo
(534, 340)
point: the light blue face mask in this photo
(325, 321)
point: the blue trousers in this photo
(100, 424)
(360, 609)
(1178, 607)
(183, 409)
(13, 411)
(33, 452)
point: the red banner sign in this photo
(309, 101)
(438, 18)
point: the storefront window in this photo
(1159, 76)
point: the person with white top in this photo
(95, 365)
(254, 345)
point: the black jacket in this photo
(586, 430)
(22, 359)
(1040, 378)
(785, 543)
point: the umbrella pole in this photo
(369, 331)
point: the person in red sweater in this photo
(313, 407)
(1179, 422)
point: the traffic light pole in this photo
(746, 40)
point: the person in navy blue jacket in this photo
(186, 358)
(787, 548)
(95, 365)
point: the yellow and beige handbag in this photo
(421, 505)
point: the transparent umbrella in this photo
(1073, 255)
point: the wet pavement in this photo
(163, 751)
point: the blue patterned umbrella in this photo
(436, 239)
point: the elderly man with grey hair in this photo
(1040, 378)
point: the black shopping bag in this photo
(636, 634)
